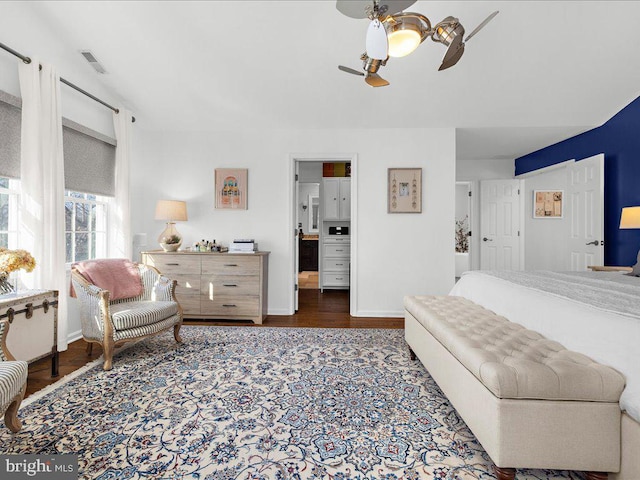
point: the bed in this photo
(594, 313)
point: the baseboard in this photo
(377, 313)
(73, 336)
(279, 311)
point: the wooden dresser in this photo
(33, 315)
(230, 286)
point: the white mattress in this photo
(609, 338)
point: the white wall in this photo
(398, 254)
(43, 41)
(475, 171)
(545, 238)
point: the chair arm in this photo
(5, 354)
(95, 317)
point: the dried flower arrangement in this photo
(462, 235)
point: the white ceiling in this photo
(538, 73)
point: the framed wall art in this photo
(231, 188)
(404, 190)
(548, 203)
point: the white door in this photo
(500, 238)
(585, 207)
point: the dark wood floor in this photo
(322, 310)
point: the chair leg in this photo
(89, 348)
(11, 419)
(176, 332)
(108, 348)
(505, 473)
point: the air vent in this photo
(93, 61)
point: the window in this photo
(85, 226)
(9, 190)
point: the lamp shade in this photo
(630, 217)
(171, 210)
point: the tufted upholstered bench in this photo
(529, 401)
(13, 381)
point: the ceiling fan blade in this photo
(482, 25)
(377, 43)
(454, 52)
(350, 70)
(376, 80)
(358, 8)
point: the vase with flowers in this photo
(10, 261)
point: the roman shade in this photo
(89, 162)
(89, 156)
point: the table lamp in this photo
(630, 218)
(171, 211)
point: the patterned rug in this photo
(257, 403)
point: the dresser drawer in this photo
(337, 250)
(190, 303)
(213, 285)
(186, 284)
(337, 239)
(336, 264)
(170, 265)
(246, 264)
(230, 305)
(336, 279)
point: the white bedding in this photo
(607, 337)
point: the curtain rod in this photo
(27, 60)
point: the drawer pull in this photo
(229, 285)
(339, 250)
(339, 264)
(228, 305)
(173, 264)
(29, 313)
(230, 264)
(339, 278)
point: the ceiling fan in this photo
(395, 33)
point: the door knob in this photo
(485, 239)
(595, 242)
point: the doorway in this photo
(307, 226)
(464, 211)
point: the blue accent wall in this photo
(619, 140)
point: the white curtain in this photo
(120, 208)
(42, 215)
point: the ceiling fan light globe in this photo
(403, 41)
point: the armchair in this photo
(114, 322)
(13, 382)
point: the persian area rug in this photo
(257, 403)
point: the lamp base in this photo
(170, 239)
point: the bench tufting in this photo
(530, 402)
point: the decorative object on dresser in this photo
(404, 190)
(172, 211)
(33, 315)
(231, 286)
(13, 381)
(109, 313)
(231, 188)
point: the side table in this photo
(33, 315)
